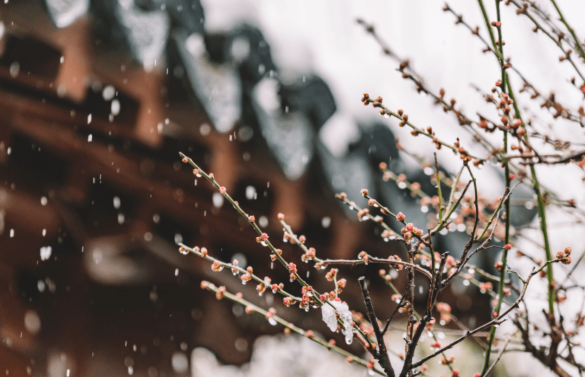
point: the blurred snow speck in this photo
(115, 107)
(108, 93)
(263, 221)
(14, 69)
(251, 193)
(204, 129)
(41, 286)
(217, 200)
(241, 344)
(46, 252)
(32, 322)
(180, 362)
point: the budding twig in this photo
(496, 321)
(381, 354)
(487, 372)
(263, 237)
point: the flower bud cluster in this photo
(293, 271)
(444, 310)
(216, 266)
(220, 293)
(288, 301)
(448, 361)
(276, 288)
(396, 265)
(363, 213)
(270, 313)
(309, 255)
(308, 298)
(329, 296)
(331, 274)
(273, 257)
(564, 256)
(263, 238)
(261, 288)
(235, 263)
(409, 231)
(486, 287)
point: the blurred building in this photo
(96, 100)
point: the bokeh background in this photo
(98, 97)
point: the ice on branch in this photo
(330, 313)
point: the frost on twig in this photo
(330, 313)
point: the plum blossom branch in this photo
(495, 321)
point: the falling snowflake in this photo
(46, 252)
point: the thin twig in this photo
(381, 354)
(487, 373)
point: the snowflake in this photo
(46, 252)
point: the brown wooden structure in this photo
(109, 195)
